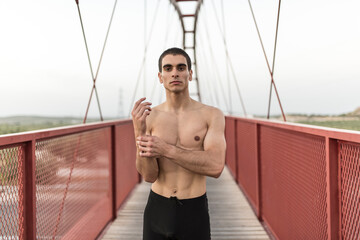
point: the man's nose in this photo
(175, 73)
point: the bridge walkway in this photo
(231, 216)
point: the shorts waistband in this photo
(160, 197)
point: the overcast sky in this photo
(44, 68)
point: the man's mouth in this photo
(175, 82)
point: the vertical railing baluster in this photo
(21, 190)
(258, 171)
(29, 195)
(332, 190)
(113, 171)
(236, 152)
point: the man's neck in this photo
(177, 102)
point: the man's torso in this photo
(186, 130)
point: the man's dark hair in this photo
(174, 51)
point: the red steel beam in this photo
(187, 15)
(340, 134)
(9, 139)
(346, 135)
(181, 17)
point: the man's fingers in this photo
(142, 111)
(148, 154)
(147, 146)
(145, 154)
(145, 149)
(146, 113)
(138, 102)
(139, 108)
(141, 143)
(144, 138)
(137, 105)
(145, 143)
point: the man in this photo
(179, 143)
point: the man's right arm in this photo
(148, 167)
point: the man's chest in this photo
(187, 130)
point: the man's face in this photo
(175, 74)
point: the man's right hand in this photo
(139, 113)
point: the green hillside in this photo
(17, 124)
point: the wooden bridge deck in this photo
(231, 216)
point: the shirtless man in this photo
(179, 143)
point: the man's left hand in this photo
(151, 146)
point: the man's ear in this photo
(191, 73)
(160, 77)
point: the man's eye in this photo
(181, 68)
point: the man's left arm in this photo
(209, 162)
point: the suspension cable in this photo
(98, 68)
(107, 34)
(166, 35)
(267, 62)
(145, 34)
(145, 55)
(229, 59)
(205, 98)
(237, 86)
(92, 73)
(227, 65)
(169, 25)
(273, 65)
(204, 60)
(79, 139)
(213, 60)
(161, 95)
(88, 54)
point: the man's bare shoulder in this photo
(152, 116)
(154, 113)
(159, 107)
(210, 111)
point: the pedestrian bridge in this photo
(282, 180)
(301, 182)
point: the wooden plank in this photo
(231, 216)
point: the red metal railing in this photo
(302, 181)
(65, 183)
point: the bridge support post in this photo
(113, 172)
(236, 152)
(191, 31)
(258, 171)
(27, 198)
(332, 188)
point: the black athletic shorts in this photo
(171, 218)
